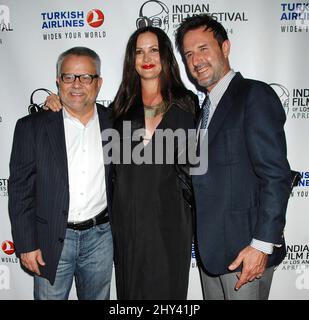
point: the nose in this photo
(196, 58)
(147, 57)
(77, 83)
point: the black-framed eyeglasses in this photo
(83, 78)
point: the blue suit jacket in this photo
(39, 185)
(245, 191)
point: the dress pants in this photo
(222, 287)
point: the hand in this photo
(31, 260)
(53, 103)
(253, 265)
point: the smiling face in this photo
(77, 97)
(206, 61)
(147, 56)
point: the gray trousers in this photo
(222, 287)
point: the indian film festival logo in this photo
(283, 94)
(37, 100)
(73, 24)
(156, 13)
(5, 24)
(153, 13)
(3, 187)
(294, 101)
(297, 260)
(104, 102)
(302, 278)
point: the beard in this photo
(216, 73)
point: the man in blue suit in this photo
(58, 190)
(241, 201)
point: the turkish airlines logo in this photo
(95, 18)
(8, 247)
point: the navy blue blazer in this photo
(245, 191)
(39, 186)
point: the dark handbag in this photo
(295, 178)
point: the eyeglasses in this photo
(83, 78)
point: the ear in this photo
(226, 45)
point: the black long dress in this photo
(151, 221)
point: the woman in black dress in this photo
(151, 219)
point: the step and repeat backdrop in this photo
(270, 42)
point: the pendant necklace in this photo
(153, 111)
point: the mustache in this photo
(200, 66)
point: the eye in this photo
(138, 51)
(85, 77)
(68, 77)
(188, 55)
(155, 50)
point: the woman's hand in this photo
(53, 103)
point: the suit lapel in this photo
(223, 108)
(55, 132)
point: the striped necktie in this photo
(205, 112)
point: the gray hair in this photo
(79, 51)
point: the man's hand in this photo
(53, 103)
(253, 265)
(31, 260)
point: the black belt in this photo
(102, 217)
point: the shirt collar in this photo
(68, 116)
(219, 89)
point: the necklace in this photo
(153, 111)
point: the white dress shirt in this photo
(85, 167)
(218, 91)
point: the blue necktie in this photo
(205, 112)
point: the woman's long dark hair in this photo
(172, 87)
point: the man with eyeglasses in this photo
(58, 190)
